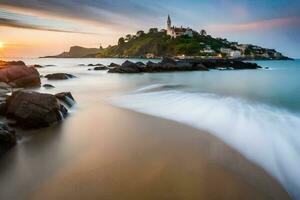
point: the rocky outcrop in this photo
(34, 110)
(59, 76)
(171, 65)
(8, 137)
(126, 67)
(17, 74)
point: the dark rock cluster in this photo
(171, 65)
(24, 109)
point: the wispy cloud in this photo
(257, 25)
(99, 11)
(19, 24)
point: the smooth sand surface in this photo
(127, 155)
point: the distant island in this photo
(177, 42)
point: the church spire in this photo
(169, 22)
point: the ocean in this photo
(256, 112)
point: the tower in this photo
(169, 23)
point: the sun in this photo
(1, 44)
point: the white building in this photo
(225, 50)
(235, 54)
(175, 32)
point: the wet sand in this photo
(127, 155)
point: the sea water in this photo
(257, 112)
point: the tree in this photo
(140, 33)
(203, 32)
(121, 41)
(128, 37)
(153, 30)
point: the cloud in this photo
(257, 25)
(19, 24)
(99, 11)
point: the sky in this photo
(32, 28)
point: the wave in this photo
(266, 135)
(159, 87)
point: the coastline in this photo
(154, 159)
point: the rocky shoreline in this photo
(172, 65)
(26, 109)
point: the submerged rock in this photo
(100, 67)
(93, 65)
(59, 76)
(34, 110)
(8, 137)
(37, 66)
(48, 86)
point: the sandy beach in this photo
(127, 155)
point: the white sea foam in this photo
(268, 136)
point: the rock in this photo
(5, 86)
(93, 65)
(229, 64)
(11, 63)
(20, 76)
(100, 67)
(37, 66)
(8, 137)
(59, 76)
(48, 86)
(113, 65)
(201, 67)
(34, 110)
(152, 64)
(170, 65)
(66, 97)
(126, 67)
(168, 60)
(140, 64)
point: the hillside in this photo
(76, 52)
(159, 44)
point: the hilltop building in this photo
(175, 32)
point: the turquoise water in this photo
(257, 112)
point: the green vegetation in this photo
(160, 44)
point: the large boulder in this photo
(20, 76)
(8, 137)
(59, 76)
(34, 110)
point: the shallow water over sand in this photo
(256, 112)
